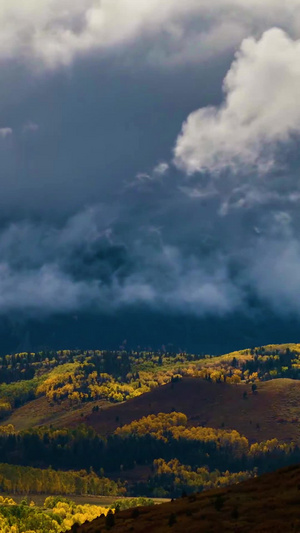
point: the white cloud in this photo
(146, 178)
(5, 132)
(53, 32)
(42, 291)
(260, 110)
(161, 169)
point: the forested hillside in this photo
(143, 423)
(27, 480)
(81, 377)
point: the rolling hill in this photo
(267, 504)
(274, 411)
(63, 388)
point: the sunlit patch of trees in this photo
(17, 394)
(84, 376)
(27, 480)
(262, 364)
(9, 429)
(272, 445)
(182, 478)
(166, 426)
(127, 503)
(159, 425)
(174, 425)
(83, 382)
(57, 516)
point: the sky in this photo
(149, 173)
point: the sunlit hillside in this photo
(67, 388)
(184, 422)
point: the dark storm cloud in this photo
(161, 249)
(95, 215)
(98, 126)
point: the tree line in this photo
(15, 479)
(162, 437)
(175, 479)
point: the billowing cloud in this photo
(102, 133)
(161, 168)
(199, 259)
(55, 31)
(260, 110)
(87, 265)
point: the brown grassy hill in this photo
(273, 412)
(39, 412)
(269, 503)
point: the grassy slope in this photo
(40, 413)
(269, 503)
(275, 407)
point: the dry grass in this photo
(273, 412)
(40, 413)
